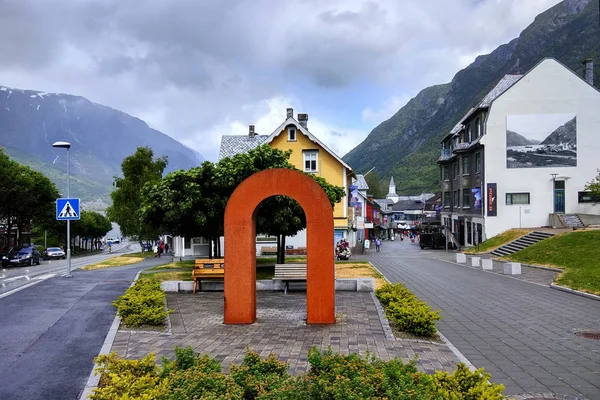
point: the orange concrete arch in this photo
(240, 244)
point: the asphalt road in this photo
(52, 331)
(13, 277)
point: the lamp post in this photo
(67, 145)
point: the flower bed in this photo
(331, 376)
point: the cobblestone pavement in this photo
(280, 329)
(519, 330)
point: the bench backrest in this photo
(283, 271)
(209, 266)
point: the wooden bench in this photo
(300, 251)
(207, 269)
(289, 273)
(268, 251)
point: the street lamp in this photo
(67, 145)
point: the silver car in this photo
(54, 253)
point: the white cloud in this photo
(198, 69)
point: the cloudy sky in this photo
(197, 69)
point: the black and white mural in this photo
(541, 140)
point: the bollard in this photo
(512, 268)
(487, 264)
(475, 261)
(461, 258)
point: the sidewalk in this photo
(519, 330)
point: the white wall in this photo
(550, 88)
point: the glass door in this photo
(559, 196)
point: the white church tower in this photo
(392, 195)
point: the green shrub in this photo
(409, 312)
(463, 384)
(142, 304)
(257, 376)
(331, 376)
(122, 379)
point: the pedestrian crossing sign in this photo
(67, 209)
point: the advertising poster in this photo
(477, 200)
(492, 200)
(354, 200)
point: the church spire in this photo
(392, 185)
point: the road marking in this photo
(46, 276)
(15, 278)
(19, 289)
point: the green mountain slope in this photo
(407, 145)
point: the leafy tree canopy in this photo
(376, 188)
(138, 169)
(594, 186)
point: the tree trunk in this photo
(280, 249)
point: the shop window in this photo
(587, 197)
(466, 198)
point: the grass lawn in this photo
(114, 262)
(343, 269)
(577, 253)
(497, 241)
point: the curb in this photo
(93, 379)
(573, 291)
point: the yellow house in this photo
(309, 154)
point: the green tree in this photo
(139, 169)
(90, 227)
(594, 186)
(375, 186)
(192, 203)
(27, 198)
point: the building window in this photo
(478, 162)
(456, 204)
(466, 165)
(468, 134)
(291, 135)
(187, 244)
(310, 161)
(478, 127)
(455, 167)
(446, 199)
(587, 197)
(466, 198)
(517, 198)
(469, 233)
(446, 173)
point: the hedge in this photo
(142, 304)
(331, 376)
(410, 314)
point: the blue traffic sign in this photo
(67, 209)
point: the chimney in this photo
(588, 68)
(251, 131)
(303, 120)
(290, 113)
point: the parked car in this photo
(112, 240)
(4, 256)
(53, 253)
(24, 256)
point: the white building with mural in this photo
(523, 156)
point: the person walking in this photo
(377, 244)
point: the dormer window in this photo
(468, 134)
(478, 127)
(291, 134)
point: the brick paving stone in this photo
(280, 329)
(517, 328)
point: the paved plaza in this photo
(519, 329)
(280, 329)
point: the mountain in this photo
(100, 137)
(514, 139)
(566, 133)
(407, 145)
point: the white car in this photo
(112, 240)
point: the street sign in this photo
(67, 209)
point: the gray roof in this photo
(383, 202)
(361, 183)
(406, 205)
(236, 144)
(501, 87)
